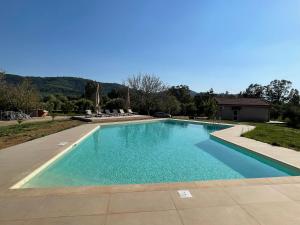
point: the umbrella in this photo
(128, 99)
(97, 103)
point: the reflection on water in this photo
(245, 165)
(154, 133)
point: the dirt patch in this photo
(16, 134)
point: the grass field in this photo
(16, 134)
(275, 134)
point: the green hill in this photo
(68, 86)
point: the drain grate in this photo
(62, 143)
(184, 194)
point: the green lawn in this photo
(275, 134)
(16, 134)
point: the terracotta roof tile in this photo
(242, 101)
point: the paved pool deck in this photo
(280, 154)
(265, 201)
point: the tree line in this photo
(148, 94)
(284, 99)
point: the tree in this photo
(277, 91)
(146, 88)
(294, 97)
(189, 109)
(292, 114)
(117, 93)
(254, 91)
(20, 97)
(210, 108)
(27, 97)
(68, 106)
(90, 90)
(55, 103)
(3, 100)
(182, 93)
(169, 104)
(116, 103)
(201, 100)
(84, 104)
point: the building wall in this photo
(246, 113)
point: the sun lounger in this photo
(88, 113)
(122, 113)
(100, 114)
(115, 112)
(108, 113)
(130, 112)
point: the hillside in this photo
(69, 86)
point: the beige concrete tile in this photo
(74, 220)
(256, 181)
(157, 187)
(226, 215)
(290, 190)
(169, 217)
(230, 183)
(296, 179)
(202, 198)
(15, 222)
(140, 201)
(255, 194)
(19, 208)
(125, 188)
(70, 205)
(281, 180)
(275, 213)
(138, 187)
(207, 184)
(182, 185)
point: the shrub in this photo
(292, 115)
(84, 104)
(117, 103)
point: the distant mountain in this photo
(69, 86)
(193, 93)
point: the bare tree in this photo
(147, 83)
(148, 87)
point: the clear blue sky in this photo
(223, 44)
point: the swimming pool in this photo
(154, 152)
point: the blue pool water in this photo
(154, 152)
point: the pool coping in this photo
(225, 135)
(232, 135)
(281, 155)
(19, 184)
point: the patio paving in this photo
(235, 205)
(265, 201)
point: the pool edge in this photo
(20, 183)
(35, 172)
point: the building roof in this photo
(241, 101)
